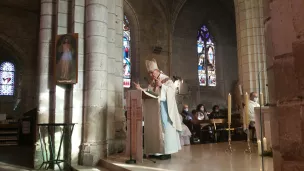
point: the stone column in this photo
(119, 117)
(78, 20)
(95, 87)
(111, 75)
(284, 31)
(250, 45)
(46, 93)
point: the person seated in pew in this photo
(202, 112)
(186, 116)
(216, 114)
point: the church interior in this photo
(73, 75)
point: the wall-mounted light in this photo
(157, 49)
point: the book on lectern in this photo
(150, 94)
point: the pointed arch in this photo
(133, 35)
(7, 79)
(206, 57)
(126, 54)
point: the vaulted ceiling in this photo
(172, 8)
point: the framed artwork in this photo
(66, 54)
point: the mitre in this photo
(151, 65)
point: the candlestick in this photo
(229, 108)
(264, 144)
(262, 99)
(229, 139)
(259, 147)
(248, 150)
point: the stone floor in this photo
(205, 157)
(17, 155)
(9, 167)
(84, 168)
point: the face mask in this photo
(202, 109)
(256, 99)
(186, 109)
(216, 110)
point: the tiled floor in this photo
(205, 157)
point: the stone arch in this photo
(135, 39)
(14, 54)
(184, 48)
(10, 47)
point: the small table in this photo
(66, 130)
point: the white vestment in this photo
(185, 134)
(162, 121)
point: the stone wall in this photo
(19, 25)
(149, 29)
(284, 31)
(221, 24)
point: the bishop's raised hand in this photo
(137, 86)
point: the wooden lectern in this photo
(134, 126)
(136, 102)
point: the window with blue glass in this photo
(7, 79)
(126, 54)
(206, 57)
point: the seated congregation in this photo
(202, 126)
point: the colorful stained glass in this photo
(126, 54)
(7, 79)
(206, 58)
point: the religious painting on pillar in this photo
(7, 79)
(126, 54)
(206, 57)
(66, 54)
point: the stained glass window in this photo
(7, 79)
(126, 54)
(206, 57)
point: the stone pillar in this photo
(250, 45)
(77, 107)
(111, 75)
(119, 117)
(284, 31)
(95, 87)
(46, 93)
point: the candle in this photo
(261, 99)
(229, 109)
(259, 147)
(246, 99)
(264, 144)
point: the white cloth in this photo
(185, 134)
(159, 139)
(251, 107)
